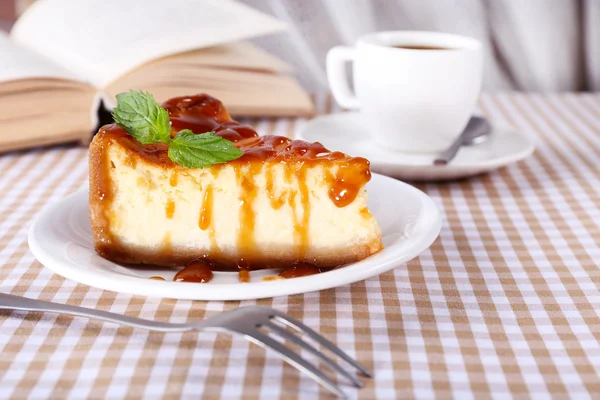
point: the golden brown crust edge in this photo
(95, 154)
(122, 253)
(97, 159)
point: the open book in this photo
(64, 56)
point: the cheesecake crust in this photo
(177, 256)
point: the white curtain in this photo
(530, 45)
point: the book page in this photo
(244, 92)
(103, 39)
(238, 55)
(20, 63)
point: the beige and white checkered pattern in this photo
(504, 304)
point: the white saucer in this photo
(346, 132)
(61, 239)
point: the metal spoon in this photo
(477, 131)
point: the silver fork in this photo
(252, 322)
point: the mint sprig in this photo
(141, 116)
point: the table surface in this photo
(504, 303)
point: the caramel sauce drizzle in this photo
(205, 220)
(206, 211)
(343, 189)
(174, 178)
(276, 201)
(157, 278)
(300, 269)
(365, 213)
(130, 161)
(201, 270)
(298, 228)
(248, 193)
(302, 229)
(170, 209)
(203, 113)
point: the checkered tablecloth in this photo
(504, 304)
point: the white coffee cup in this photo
(411, 100)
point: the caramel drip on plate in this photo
(157, 278)
(170, 209)
(271, 278)
(244, 275)
(197, 271)
(299, 269)
(174, 178)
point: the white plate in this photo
(346, 132)
(61, 239)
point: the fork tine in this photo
(298, 341)
(294, 359)
(299, 326)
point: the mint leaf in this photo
(142, 117)
(203, 150)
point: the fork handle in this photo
(11, 302)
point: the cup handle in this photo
(337, 58)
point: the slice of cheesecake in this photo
(283, 201)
